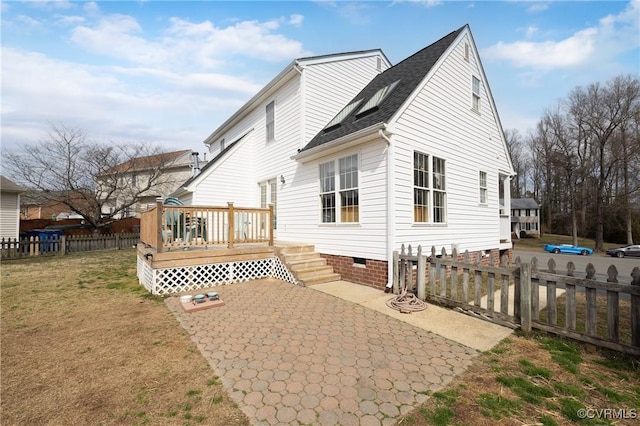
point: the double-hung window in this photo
(475, 94)
(343, 197)
(271, 121)
(483, 187)
(429, 189)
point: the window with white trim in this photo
(439, 191)
(271, 121)
(483, 187)
(429, 189)
(475, 94)
(343, 197)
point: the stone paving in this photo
(292, 355)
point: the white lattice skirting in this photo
(189, 278)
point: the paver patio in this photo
(294, 355)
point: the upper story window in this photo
(271, 121)
(222, 144)
(429, 189)
(483, 187)
(475, 95)
(466, 52)
(343, 197)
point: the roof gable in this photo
(8, 185)
(290, 71)
(407, 75)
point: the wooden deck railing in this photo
(164, 227)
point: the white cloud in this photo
(296, 20)
(54, 4)
(68, 20)
(537, 7)
(27, 22)
(596, 45)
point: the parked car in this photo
(568, 249)
(624, 251)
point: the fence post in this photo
(525, 297)
(420, 279)
(117, 241)
(159, 225)
(396, 276)
(232, 226)
(635, 309)
(62, 250)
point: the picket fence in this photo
(603, 313)
(16, 248)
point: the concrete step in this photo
(304, 274)
(320, 279)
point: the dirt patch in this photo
(83, 343)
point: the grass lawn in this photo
(83, 344)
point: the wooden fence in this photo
(61, 244)
(603, 313)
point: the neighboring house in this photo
(170, 169)
(525, 217)
(417, 156)
(34, 205)
(9, 208)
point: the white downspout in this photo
(300, 70)
(390, 207)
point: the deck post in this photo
(231, 225)
(271, 223)
(159, 225)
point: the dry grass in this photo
(537, 380)
(84, 344)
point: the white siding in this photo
(301, 220)
(236, 178)
(10, 215)
(329, 87)
(440, 122)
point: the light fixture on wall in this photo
(282, 179)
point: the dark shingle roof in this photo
(523, 203)
(410, 72)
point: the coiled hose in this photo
(406, 302)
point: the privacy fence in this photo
(602, 312)
(49, 245)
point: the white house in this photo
(9, 208)
(360, 157)
(525, 217)
(146, 179)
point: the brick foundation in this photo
(373, 273)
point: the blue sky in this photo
(170, 72)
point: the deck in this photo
(187, 248)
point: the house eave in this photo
(348, 141)
(285, 75)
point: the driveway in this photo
(294, 355)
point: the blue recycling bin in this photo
(49, 238)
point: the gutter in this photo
(390, 205)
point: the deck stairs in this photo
(306, 264)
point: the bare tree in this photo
(92, 179)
